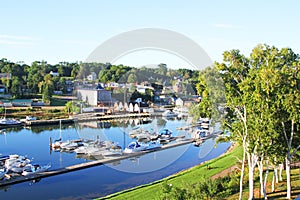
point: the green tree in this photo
(47, 88)
(16, 87)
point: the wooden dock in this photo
(20, 179)
(86, 117)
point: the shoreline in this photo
(199, 166)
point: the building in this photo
(92, 76)
(95, 97)
(177, 87)
(54, 73)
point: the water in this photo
(100, 180)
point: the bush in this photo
(219, 188)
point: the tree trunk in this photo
(275, 178)
(288, 177)
(280, 171)
(251, 164)
(242, 174)
(273, 182)
(276, 174)
(265, 182)
(261, 179)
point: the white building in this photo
(92, 76)
(95, 97)
(54, 73)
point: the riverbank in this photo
(181, 179)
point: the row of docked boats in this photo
(88, 148)
(10, 122)
(17, 165)
(96, 149)
(164, 136)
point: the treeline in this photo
(36, 78)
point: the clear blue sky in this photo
(70, 30)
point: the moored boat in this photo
(135, 147)
(35, 169)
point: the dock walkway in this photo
(86, 117)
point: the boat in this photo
(28, 118)
(169, 114)
(200, 133)
(3, 172)
(20, 167)
(9, 122)
(134, 147)
(3, 158)
(15, 160)
(57, 143)
(35, 169)
(165, 133)
(71, 145)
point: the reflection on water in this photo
(100, 180)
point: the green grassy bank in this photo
(181, 179)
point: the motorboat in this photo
(165, 133)
(15, 160)
(200, 133)
(3, 172)
(28, 118)
(35, 169)
(169, 114)
(20, 167)
(134, 147)
(71, 145)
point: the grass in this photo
(190, 176)
(208, 170)
(280, 188)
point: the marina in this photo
(34, 142)
(20, 179)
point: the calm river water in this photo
(100, 180)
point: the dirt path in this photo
(225, 172)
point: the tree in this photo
(210, 87)
(47, 88)
(16, 87)
(233, 72)
(262, 94)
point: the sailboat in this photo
(68, 145)
(9, 122)
(57, 143)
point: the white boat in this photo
(135, 147)
(19, 168)
(71, 145)
(9, 122)
(35, 169)
(16, 161)
(57, 143)
(200, 133)
(3, 171)
(165, 133)
(169, 114)
(30, 118)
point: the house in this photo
(92, 76)
(179, 102)
(95, 97)
(54, 73)
(177, 87)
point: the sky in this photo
(69, 30)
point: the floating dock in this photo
(20, 179)
(86, 117)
